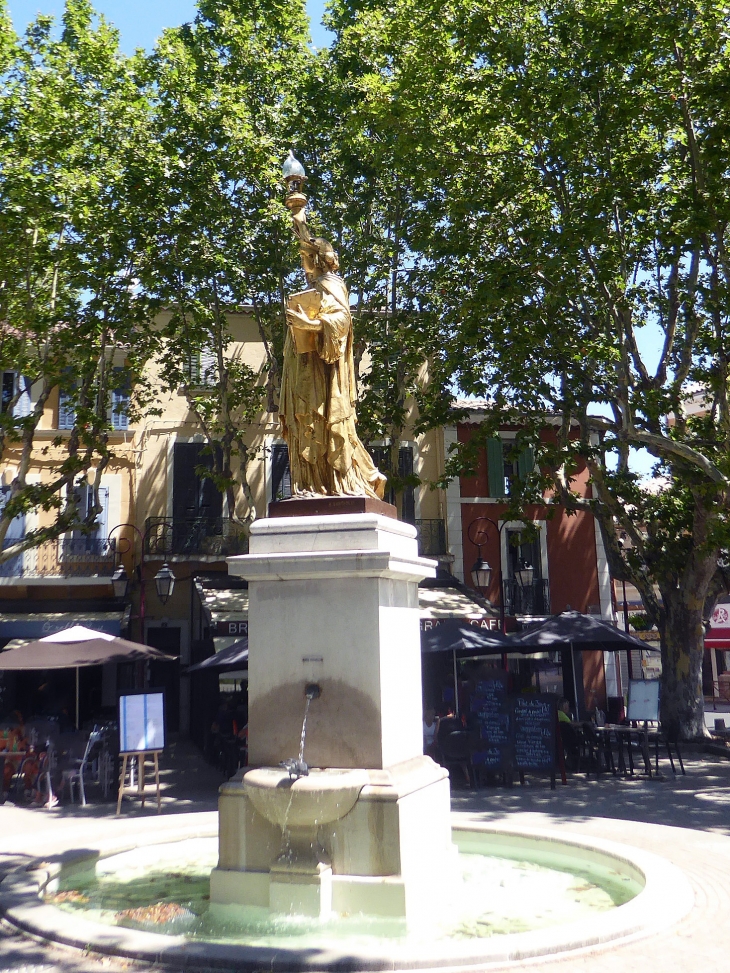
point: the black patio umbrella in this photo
(573, 630)
(446, 634)
(458, 636)
(75, 648)
(227, 660)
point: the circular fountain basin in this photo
(628, 893)
(319, 798)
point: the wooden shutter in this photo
(408, 497)
(280, 473)
(66, 410)
(23, 405)
(495, 467)
(526, 462)
(208, 367)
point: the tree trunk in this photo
(683, 646)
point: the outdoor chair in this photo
(577, 753)
(74, 775)
(657, 736)
(600, 752)
(455, 751)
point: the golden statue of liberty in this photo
(318, 388)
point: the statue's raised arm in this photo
(318, 389)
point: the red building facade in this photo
(568, 561)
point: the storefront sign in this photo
(36, 626)
(222, 629)
(485, 624)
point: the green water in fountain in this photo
(493, 896)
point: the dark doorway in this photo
(166, 675)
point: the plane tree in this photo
(571, 161)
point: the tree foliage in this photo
(572, 160)
(363, 192)
(226, 107)
(74, 144)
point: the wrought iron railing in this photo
(533, 599)
(431, 537)
(194, 537)
(67, 557)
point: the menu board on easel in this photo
(644, 700)
(534, 733)
(491, 710)
(142, 722)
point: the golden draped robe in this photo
(317, 406)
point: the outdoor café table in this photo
(624, 735)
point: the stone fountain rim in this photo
(665, 899)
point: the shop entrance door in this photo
(166, 675)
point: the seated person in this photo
(430, 732)
(564, 711)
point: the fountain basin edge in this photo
(665, 899)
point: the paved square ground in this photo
(685, 819)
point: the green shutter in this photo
(525, 463)
(495, 467)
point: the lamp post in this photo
(164, 579)
(625, 544)
(481, 572)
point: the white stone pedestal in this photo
(333, 600)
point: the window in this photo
(202, 369)
(520, 552)
(381, 458)
(120, 399)
(16, 531)
(280, 472)
(503, 468)
(11, 384)
(8, 390)
(84, 495)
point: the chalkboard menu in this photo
(515, 733)
(491, 710)
(534, 732)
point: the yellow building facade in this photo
(158, 510)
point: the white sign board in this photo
(141, 722)
(644, 700)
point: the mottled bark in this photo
(682, 641)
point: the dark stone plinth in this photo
(324, 506)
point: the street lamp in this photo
(481, 573)
(120, 582)
(164, 583)
(293, 173)
(524, 573)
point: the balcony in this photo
(196, 537)
(533, 599)
(67, 558)
(431, 537)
